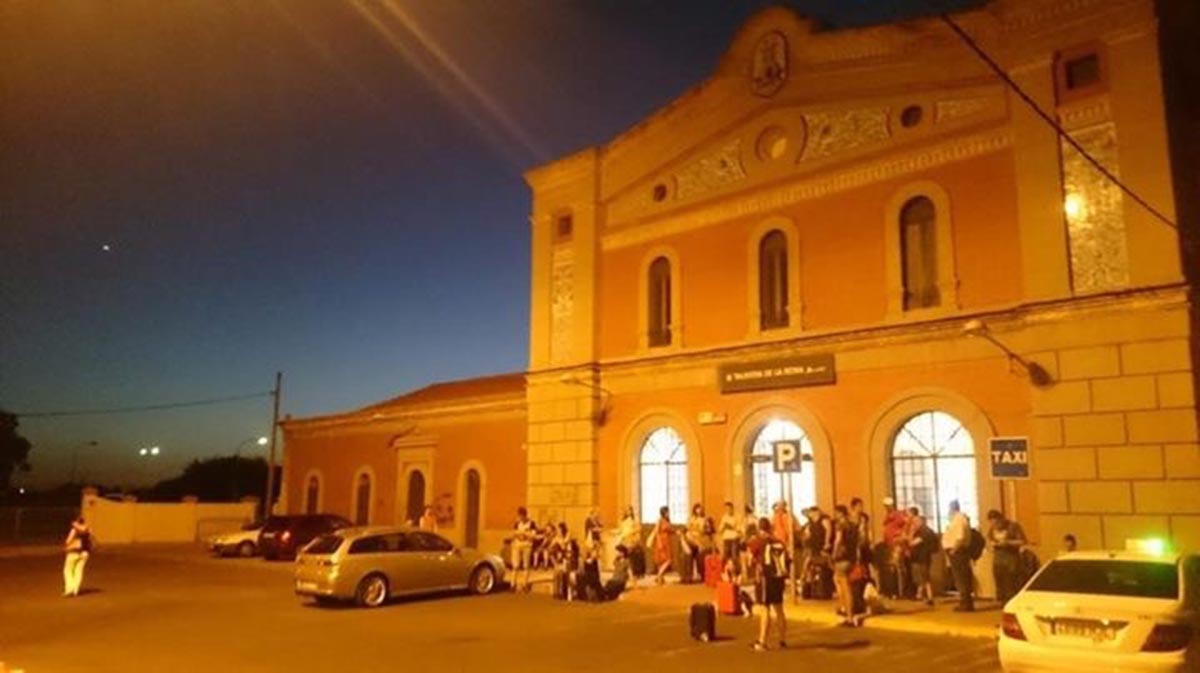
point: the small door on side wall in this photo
(471, 520)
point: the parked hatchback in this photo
(370, 565)
(282, 536)
(1106, 611)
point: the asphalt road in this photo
(172, 610)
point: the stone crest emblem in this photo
(769, 67)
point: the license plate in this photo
(1083, 629)
(306, 586)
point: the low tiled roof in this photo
(448, 391)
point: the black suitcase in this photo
(637, 562)
(687, 569)
(703, 622)
(818, 583)
(560, 585)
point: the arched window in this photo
(933, 462)
(362, 501)
(918, 253)
(658, 303)
(773, 281)
(663, 475)
(768, 486)
(416, 496)
(312, 496)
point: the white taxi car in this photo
(1106, 611)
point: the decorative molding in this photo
(840, 131)
(722, 168)
(811, 188)
(769, 64)
(562, 303)
(957, 108)
(1095, 111)
(1094, 212)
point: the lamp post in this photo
(604, 395)
(1038, 375)
(237, 461)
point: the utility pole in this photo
(268, 500)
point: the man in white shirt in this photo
(955, 540)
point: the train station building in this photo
(866, 242)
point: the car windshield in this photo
(326, 544)
(1104, 577)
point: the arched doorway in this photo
(663, 475)
(933, 462)
(766, 486)
(416, 497)
(312, 495)
(362, 500)
(472, 485)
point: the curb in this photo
(30, 550)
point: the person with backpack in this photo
(922, 543)
(770, 556)
(957, 543)
(1006, 539)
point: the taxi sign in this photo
(1009, 457)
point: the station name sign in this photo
(809, 370)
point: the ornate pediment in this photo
(795, 142)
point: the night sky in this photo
(331, 188)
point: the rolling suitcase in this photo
(703, 622)
(712, 569)
(727, 599)
(687, 569)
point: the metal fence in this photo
(35, 525)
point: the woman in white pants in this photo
(78, 547)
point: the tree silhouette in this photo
(14, 449)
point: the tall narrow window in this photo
(663, 475)
(772, 281)
(658, 303)
(313, 497)
(918, 253)
(933, 462)
(362, 504)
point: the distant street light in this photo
(147, 452)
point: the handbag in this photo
(858, 572)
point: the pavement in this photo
(170, 608)
(903, 616)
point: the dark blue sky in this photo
(328, 188)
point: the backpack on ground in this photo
(702, 622)
(975, 544)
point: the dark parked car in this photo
(283, 536)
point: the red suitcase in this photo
(727, 599)
(712, 569)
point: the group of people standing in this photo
(825, 555)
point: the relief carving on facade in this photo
(840, 131)
(769, 67)
(724, 167)
(562, 303)
(956, 108)
(1094, 210)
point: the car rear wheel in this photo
(483, 580)
(372, 591)
(246, 549)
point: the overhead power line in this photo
(147, 407)
(1046, 117)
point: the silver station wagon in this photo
(371, 564)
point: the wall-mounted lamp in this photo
(571, 378)
(1038, 375)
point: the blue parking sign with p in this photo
(787, 455)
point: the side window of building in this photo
(918, 253)
(658, 303)
(773, 281)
